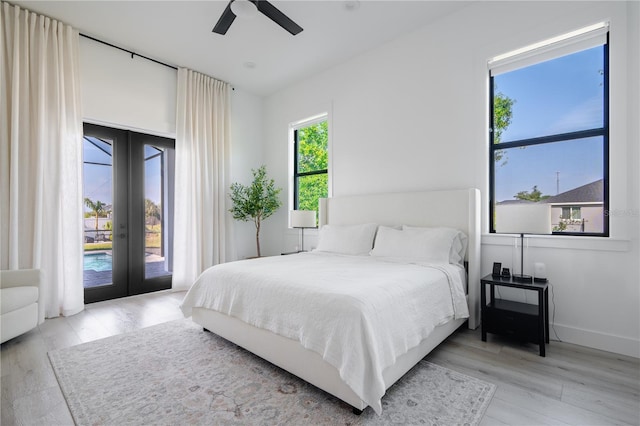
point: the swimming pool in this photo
(98, 261)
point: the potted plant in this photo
(255, 202)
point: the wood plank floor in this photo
(573, 385)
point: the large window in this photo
(310, 164)
(549, 134)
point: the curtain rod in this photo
(129, 51)
(134, 53)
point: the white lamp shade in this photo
(525, 218)
(302, 219)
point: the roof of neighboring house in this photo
(590, 193)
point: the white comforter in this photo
(359, 312)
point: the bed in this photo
(370, 353)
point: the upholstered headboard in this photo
(458, 208)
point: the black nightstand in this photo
(522, 321)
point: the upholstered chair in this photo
(21, 306)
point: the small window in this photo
(310, 164)
(549, 135)
(570, 213)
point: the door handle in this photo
(122, 235)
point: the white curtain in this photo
(201, 218)
(41, 156)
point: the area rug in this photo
(176, 374)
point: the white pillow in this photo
(411, 245)
(459, 241)
(347, 239)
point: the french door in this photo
(128, 224)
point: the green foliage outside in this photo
(310, 189)
(502, 116)
(98, 209)
(152, 211)
(109, 227)
(98, 246)
(255, 202)
(312, 147)
(560, 227)
(152, 224)
(312, 156)
(535, 195)
(153, 236)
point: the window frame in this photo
(561, 137)
(296, 174)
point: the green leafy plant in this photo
(98, 208)
(534, 195)
(502, 116)
(255, 202)
(109, 227)
(152, 212)
(312, 157)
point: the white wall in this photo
(125, 92)
(136, 94)
(246, 154)
(412, 114)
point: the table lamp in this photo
(302, 219)
(523, 218)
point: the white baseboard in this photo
(592, 339)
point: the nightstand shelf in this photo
(523, 321)
(515, 307)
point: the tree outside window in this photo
(310, 165)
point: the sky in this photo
(557, 96)
(98, 180)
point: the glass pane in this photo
(312, 148)
(151, 151)
(553, 97)
(567, 176)
(310, 189)
(156, 259)
(97, 151)
(98, 212)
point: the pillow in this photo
(347, 239)
(459, 241)
(422, 246)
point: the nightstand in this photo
(523, 321)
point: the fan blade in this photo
(276, 16)
(225, 21)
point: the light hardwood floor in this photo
(572, 385)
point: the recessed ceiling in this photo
(179, 33)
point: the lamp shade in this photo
(523, 218)
(302, 219)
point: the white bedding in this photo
(359, 312)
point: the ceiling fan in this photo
(248, 7)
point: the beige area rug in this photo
(176, 374)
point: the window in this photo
(549, 133)
(310, 163)
(571, 213)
